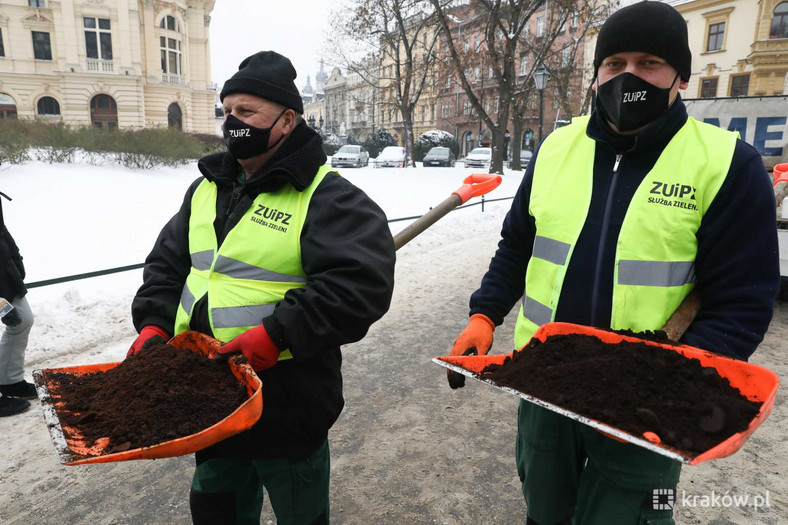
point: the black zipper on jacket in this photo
(602, 241)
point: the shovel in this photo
(474, 185)
(72, 450)
(753, 381)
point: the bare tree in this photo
(536, 48)
(564, 32)
(501, 23)
(403, 35)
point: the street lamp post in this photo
(541, 76)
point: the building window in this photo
(573, 20)
(555, 98)
(48, 106)
(2, 49)
(104, 112)
(476, 74)
(36, 3)
(740, 85)
(540, 26)
(98, 39)
(566, 56)
(780, 21)
(523, 64)
(170, 55)
(467, 45)
(7, 107)
(42, 49)
(716, 34)
(708, 88)
(489, 71)
(174, 116)
(169, 22)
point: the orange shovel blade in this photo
(75, 451)
(753, 381)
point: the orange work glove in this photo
(256, 345)
(477, 338)
(149, 335)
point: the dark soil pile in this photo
(160, 394)
(632, 386)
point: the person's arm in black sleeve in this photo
(16, 257)
(347, 253)
(737, 264)
(503, 284)
(166, 269)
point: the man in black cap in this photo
(280, 258)
(619, 216)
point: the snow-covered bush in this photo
(331, 143)
(138, 148)
(433, 138)
(377, 141)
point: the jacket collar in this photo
(296, 162)
(655, 135)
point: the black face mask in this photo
(629, 102)
(245, 141)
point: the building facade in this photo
(108, 63)
(336, 106)
(457, 115)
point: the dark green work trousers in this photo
(230, 491)
(571, 471)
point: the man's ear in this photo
(683, 85)
(289, 117)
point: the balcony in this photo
(173, 79)
(100, 66)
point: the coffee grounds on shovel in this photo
(162, 393)
(632, 386)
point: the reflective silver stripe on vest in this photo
(202, 260)
(233, 316)
(536, 312)
(551, 250)
(656, 273)
(187, 300)
(241, 270)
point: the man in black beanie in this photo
(619, 217)
(271, 252)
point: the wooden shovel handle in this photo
(678, 323)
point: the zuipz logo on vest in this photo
(673, 195)
(271, 217)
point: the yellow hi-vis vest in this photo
(656, 247)
(258, 262)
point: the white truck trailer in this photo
(762, 122)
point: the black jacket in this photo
(347, 253)
(737, 264)
(12, 271)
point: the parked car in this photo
(525, 158)
(439, 156)
(390, 157)
(350, 156)
(479, 158)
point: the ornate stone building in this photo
(108, 63)
(739, 47)
(336, 106)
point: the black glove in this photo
(12, 318)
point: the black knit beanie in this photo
(268, 75)
(646, 27)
